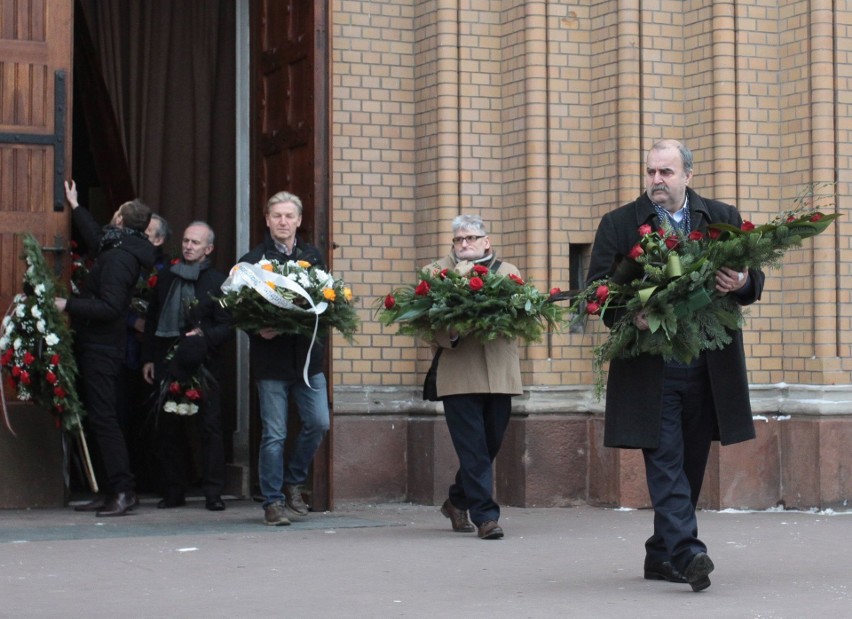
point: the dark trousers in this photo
(477, 423)
(172, 441)
(99, 368)
(675, 469)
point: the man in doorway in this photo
(98, 318)
(670, 410)
(185, 329)
(277, 361)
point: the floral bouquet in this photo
(181, 392)
(671, 279)
(142, 292)
(36, 345)
(79, 269)
(290, 297)
(480, 303)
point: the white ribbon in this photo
(246, 274)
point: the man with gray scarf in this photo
(185, 329)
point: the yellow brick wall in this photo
(537, 115)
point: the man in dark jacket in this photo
(185, 320)
(277, 362)
(670, 410)
(98, 319)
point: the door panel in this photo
(290, 120)
(35, 67)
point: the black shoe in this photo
(215, 504)
(92, 506)
(171, 501)
(119, 505)
(663, 570)
(698, 570)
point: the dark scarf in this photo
(113, 236)
(174, 315)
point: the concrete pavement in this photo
(401, 560)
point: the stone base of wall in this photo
(551, 459)
(31, 463)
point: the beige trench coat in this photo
(472, 367)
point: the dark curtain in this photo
(169, 68)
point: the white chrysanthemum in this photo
(304, 280)
(41, 326)
(39, 290)
(183, 409)
(35, 311)
(20, 311)
(52, 339)
(24, 396)
(17, 343)
(293, 277)
(193, 408)
(19, 297)
(4, 343)
(170, 407)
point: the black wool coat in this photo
(283, 357)
(635, 386)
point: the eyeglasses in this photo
(458, 240)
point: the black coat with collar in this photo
(98, 314)
(283, 357)
(208, 314)
(635, 386)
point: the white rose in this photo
(193, 408)
(35, 311)
(170, 407)
(20, 311)
(4, 343)
(39, 290)
(17, 343)
(52, 339)
(40, 326)
(183, 409)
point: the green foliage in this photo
(671, 280)
(479, 303)
(36, 343)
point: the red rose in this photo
(672, 242)
(476, 283)
(152, 281)
(747, 225)
(54, 360)
(696, 235)
(50, 377)
(16, 371)
(75, 266)
(28, 358)
(25, 377)
(816, 217)
(73, 244)
(791, 219)
(602, 293)
(554, 291)
(661, 233)
(481, 270)
(59, 392)
(714, 233)
(193, 394)
(645, 229)
(516, 279)
(174, 388)
(593, 308)
(636, 252)
(175, 261)
(7, 357)
(59, 408)
(443, 273)
(422, 289)
(389, 302)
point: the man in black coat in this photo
(673, 411)
(184, 331)
(277, 363)
(98, 320)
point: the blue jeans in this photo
(312, 405)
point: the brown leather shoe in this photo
(490, 530)
(457, 516)
(119, 505)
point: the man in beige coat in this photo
(476, 383)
